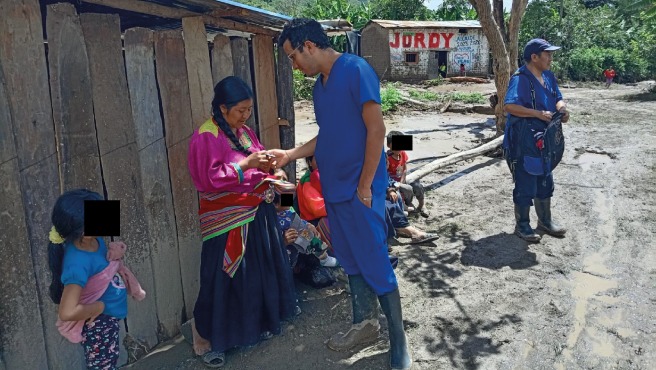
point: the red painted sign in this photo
(435, 40)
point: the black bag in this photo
(309, 271)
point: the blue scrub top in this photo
(342, 133)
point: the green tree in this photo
(400, 10)
(455, 10)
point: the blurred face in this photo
(239, 114)
(543, 60)
(302, 60)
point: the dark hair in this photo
(308, 161)
(229, 92)
(299, 30)
(391, 134)
(68, 220)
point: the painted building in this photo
(414, 50)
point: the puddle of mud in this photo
(588, 160)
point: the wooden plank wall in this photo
(72, 103)
(222, 66)
(285, 88)
(199, 71)
(179, 126)
(23, 62)
(265, 90)
(120, 164)
(155, 183)
(241, 60)
(119, 124)
(21, 330)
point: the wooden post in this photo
(265, 86)
(120, 163)
(241, 62)
(155, 182)
(199, 70)
(221, 58)
(285, 88)
(72, 104)
(21, 322)
(174, 92)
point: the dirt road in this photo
(479, 297)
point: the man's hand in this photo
(544, 115)
(565, 113)
(364, 195)
(281, 157)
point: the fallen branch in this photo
(416, 102)
(453, 158)
(477, 80)
(446, 106)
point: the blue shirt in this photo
(342, 133)
(80, 265)
(546, 97)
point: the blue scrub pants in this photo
(359, 239)
(529, 186)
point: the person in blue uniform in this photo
(533, 93)
(349, 151)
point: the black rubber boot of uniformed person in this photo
(523, 224)
(545, 222)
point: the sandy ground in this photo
(479, 297)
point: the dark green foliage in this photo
(594, 35)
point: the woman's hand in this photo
(290, 236)
(280, 156)
(257, 160)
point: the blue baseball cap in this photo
(536, 46)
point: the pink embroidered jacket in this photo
(96, 286)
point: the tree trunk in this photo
(503, 45)
(516, 15)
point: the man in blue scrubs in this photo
(533, 93)
(349, 151)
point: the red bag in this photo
(310, 202)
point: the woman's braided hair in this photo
(229, 92)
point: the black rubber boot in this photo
(545, 222)
(399, 351)
(523, 224)
(365, 326)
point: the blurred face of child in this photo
(314, 163)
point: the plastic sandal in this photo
(213, 359)
(428, 237)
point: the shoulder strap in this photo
(518, 73)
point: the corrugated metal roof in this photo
(238, 12)
(425, 24)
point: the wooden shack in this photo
(105, 94)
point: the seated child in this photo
(397, 169)
(301, 235)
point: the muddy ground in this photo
(479, 297)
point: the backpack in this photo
(536, 146)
